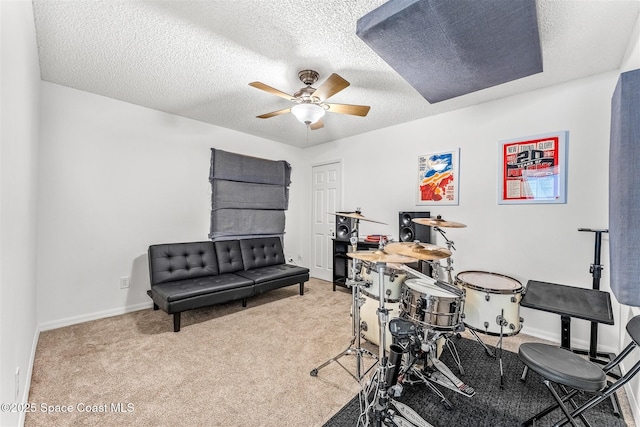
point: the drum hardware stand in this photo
(448, 342)
(454, 353)
(490, 352)
(386, 373)
(598, 357)
(596, 272)
(438, 374)
(500, 320)
(358, 350)
(450, 247)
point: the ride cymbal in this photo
(438, 222)
(381, 256)
(417, 250)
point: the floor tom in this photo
(492, 302)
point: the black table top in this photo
(587, 304)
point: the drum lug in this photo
(487, 297)
(513, 299)
(364, 326)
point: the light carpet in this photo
(228, 366)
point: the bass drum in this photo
(488, 297)
(369, 320)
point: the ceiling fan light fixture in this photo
(308, 113)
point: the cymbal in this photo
(381, 256)
(355, 215)
(422, 251)
(438, 222)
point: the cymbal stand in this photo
(376, 388)
(355, 346)
(375, 399)
(449, 267)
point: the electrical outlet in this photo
(299, 257)
(124, 282)
(17, 388)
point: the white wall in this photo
(20, 85)
(538, 242)
(115, 178)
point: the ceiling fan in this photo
(310, 102)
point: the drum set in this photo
(412, 317)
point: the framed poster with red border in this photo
(533, 169)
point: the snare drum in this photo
(393, 281)
(369, 320)
(489, 296)
(431, 305)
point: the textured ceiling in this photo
(196, 58)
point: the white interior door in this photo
(327, 197)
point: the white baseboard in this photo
(94, 316)
(27, 380)
(575, 343)
(634, 403)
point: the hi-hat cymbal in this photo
(381, 256)
(417, 250)
(438, 222)
(355, 215)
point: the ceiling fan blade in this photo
(354, 110)
(274, 113)
(316, 125)
(271, 90)
(330, 87)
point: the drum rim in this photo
(450, 293)
(453, 291)
(375, 297)
(489, 290)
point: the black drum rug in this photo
(491, 406)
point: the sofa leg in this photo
(176, 322)
(155, 307)
(244, 302)
(301, 288)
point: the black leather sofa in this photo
(191, 275)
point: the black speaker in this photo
(409, 231)
(344, 227)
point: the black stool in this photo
(572, 374)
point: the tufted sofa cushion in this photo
(261, 252)
(229, 256)
(182, 289)
(179, 261)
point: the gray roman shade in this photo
(249, 196)
(624, 189)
